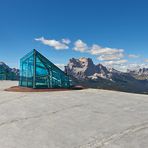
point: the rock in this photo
(141, 74)
(85, 73)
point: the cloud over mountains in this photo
(112, 57)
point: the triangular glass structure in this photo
(36, 71)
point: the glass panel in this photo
(41, 74)
(26, 71)
(3, 73)
(38, 72)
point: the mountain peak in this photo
(83, 59)
(84, 67)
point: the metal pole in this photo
(34, 68)
(51, 77)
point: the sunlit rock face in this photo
(84, 67)
(87, 74)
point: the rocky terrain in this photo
(84, 72)
(140, 74)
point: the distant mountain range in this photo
(11, 73)
(84, 72)
(140, 74)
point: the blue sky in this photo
(112, 32)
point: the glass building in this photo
(3, 73)
(36, 71)
(6, 73)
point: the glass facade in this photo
(3, 74)
(6, 74)
(36, 71)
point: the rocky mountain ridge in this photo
(140, 74)
(11, 72)
(85, 68)
(86, 73)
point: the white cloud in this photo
(133, 66)
(61, 66)
(146, 60)
(66, 41)
(53, 43)
(133, 56)
(120, 65)
(108, 57)
(103, 53)
(80, 46)
(98, 50)
(118, 62)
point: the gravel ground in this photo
(87, 118)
